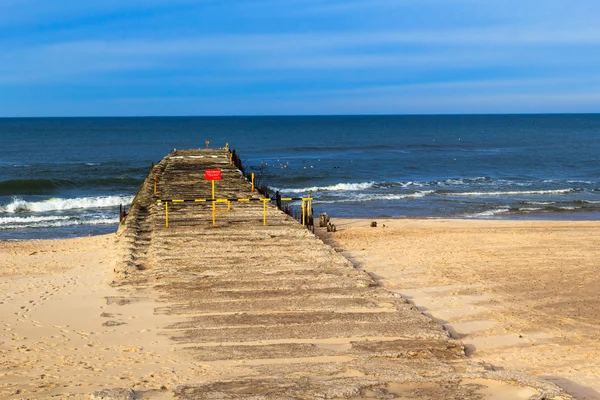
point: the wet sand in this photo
(521, 295)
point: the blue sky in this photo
(270, 57)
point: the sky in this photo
(298, 57)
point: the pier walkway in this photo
(272, 312)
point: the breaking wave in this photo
(376, 197)
(489, 213)
(339, 187)
(514, 193)
(19, 205)
(52, 222)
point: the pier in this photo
(271, 311)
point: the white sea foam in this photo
(55, 222)
(463, 181)
(339, 187)
(58, 204)
(529, 209)
(375, 197)
(488, 213)
(512, 193)
(31, 219)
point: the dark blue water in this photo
(63, 177)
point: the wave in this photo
(512, 193)
(31, 219)
(376, 197)
(58, 204)
(52, 222)
(568, 181)
(46, 186)
(346, 186)
(489, 213)
(475, 182)
(32, 186)
(338, 187)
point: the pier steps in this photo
(272, 312)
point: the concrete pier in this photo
(272, 312)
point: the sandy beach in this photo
(65, 332)
(521, 295)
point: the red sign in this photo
(212, 174)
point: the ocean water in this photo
(64, 177)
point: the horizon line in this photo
(299, 115)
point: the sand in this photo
(521, 295)
(64, 331)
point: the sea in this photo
(67, 177)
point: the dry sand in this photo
(64, 330)
(521, 295)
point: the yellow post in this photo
(155, 179)
(213, 214)
(265, 211)
(213, 204)
(167, 215)
(303, 211)
(230, 159)
(253, 181)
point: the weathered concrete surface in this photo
(273, 312)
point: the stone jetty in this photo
(274, 313)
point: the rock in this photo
(113, 394)
(113, 323)
(374, 224)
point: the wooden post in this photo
(155, 180)
(253, 181)
(309, 216)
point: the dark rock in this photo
(113, 394)
(113, 323)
